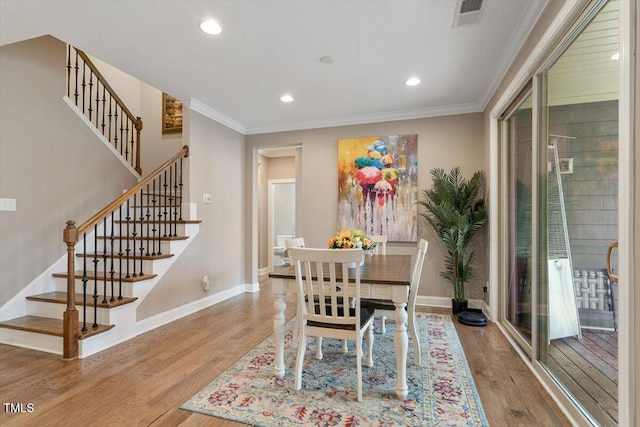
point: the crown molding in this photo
(369, 118)
(527, 21)
(217, 116)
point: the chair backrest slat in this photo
(423, 246)
(381, 247)
(327, 291)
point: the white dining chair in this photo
(322, 313)
(386, 308)
(381, 247)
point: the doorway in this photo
(281, 218)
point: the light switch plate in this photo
(7, 204)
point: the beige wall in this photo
(215, 166)
(443, 142)
(50, 162)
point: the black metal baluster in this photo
(95, 276)
(128, 249)
(153, 218)
(84, 282)
(112, 271)
(170, 198)
(104, 261)
(76, 94)
(84, 85)
(123, 142)
(180, 190)
(134, 234)
(133, 160)
(97, 115)
(126, 140)
(175, 199)
(141, 231)
(120, 254)
(115, 128)
(147, 216)
(90, 94)
(104, 107)
(164, 202)
(69, 71)
(159, 224)
(110, 116)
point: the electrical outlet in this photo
(205, 283)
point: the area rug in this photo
(441, 392)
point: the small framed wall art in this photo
(171, 114)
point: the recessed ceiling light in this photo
(211, 27)
(286, 98)
(615, 56)
(413, 81)
(327, 60)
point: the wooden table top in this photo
(380, 269)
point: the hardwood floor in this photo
(142, 382)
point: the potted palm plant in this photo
(455, 208)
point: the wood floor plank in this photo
(143, 381)
(596, 356)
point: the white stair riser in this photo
(54, 310)
(31, 340)
(127, 287)
(134, 265)
(162, 247)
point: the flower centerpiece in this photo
(351, 238)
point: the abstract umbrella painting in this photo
(378, 185)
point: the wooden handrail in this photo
(137, 121)
(129, 193)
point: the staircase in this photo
(121, 252)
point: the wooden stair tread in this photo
(145, 238)
(102, 275)
(136, 257)
(48, 326)
(61, 298)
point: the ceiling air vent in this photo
(467, 12)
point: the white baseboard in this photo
(445, 302)
(263, 271)
(252, 287)
(153, 322)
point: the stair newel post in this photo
(138, 125)
(70, 324)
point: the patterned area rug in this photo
(441, 392)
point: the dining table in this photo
(383, 277)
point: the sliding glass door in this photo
(559, 211)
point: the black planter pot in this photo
(458, 306)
